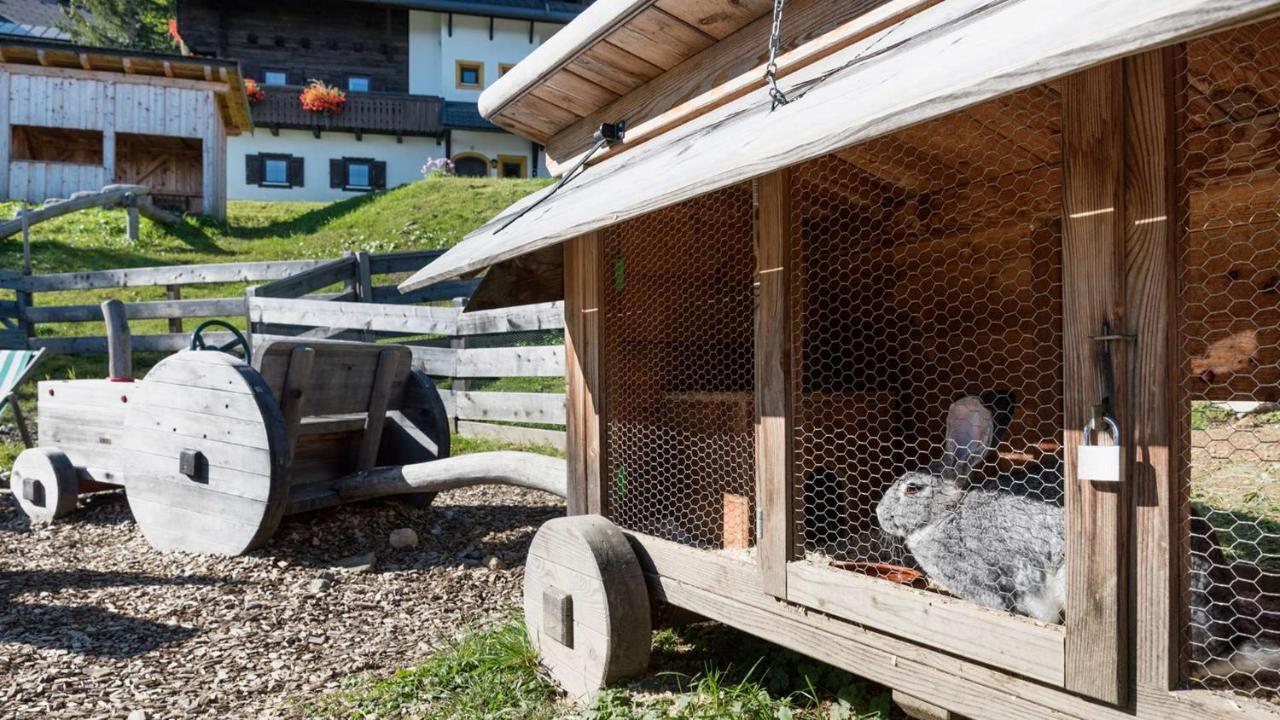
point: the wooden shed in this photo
(78, 118)
(956, 365)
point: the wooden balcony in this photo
(398, 114)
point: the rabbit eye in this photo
(911, 489)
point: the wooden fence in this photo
(337, 299)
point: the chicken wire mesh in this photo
(1229, 336)
(677, 327)
(927, 285)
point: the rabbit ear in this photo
(970, 434)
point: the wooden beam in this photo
(1096, 521)
(168, 69)
(584, 387)
(110, 77)
(42, 56)
(119, 341)
(774, 529)
(1151, 220)
(127, 64)
(84, 61)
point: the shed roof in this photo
(890, 80)
(612, 48)
(465, 116)
(222, 76)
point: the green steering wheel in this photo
(237, 341)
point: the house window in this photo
(358, 83)
(275, 171)
(357, 174)
(275, 77)
(470, 75)
(512, 166)
(504, 68)
(270, 170)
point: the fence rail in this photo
(464, 351)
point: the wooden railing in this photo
(337, 299)
(388, 113)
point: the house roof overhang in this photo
(552, 11)
(890, 80)
(223, 77)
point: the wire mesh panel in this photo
(677, 326)
(1229, 148)
(927, 321)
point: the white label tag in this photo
(1099, 463)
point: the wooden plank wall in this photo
(85, 101)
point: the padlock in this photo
(1099, 463)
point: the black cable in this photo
(564, 180)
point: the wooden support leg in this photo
(388, 364)
(174, 292)
(131, 222)
(20, 421)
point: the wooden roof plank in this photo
(661, 39)
(851, 96)
(717, 18)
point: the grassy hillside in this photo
(427, 214)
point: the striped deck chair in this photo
(15, 367)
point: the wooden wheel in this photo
(208, 461)
(44, 483)
(585, 604)
(425, 411)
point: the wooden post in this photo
(132, 227)
(296, 379)
(1097, 623)
(773, 380)
(364, 280)
(119, 342)
(458, 343)
(1152, 221)
(583, 302)
(379, 398)
(174, 292)
(24, 298)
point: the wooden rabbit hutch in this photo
(958, 369)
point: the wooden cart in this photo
(212, 452)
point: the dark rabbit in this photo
(1002, 544)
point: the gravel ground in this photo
(94, 623)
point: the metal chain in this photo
(771, 70)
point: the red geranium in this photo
(319, 97)
(173, 31)
(253, 91)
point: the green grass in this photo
(493, 673)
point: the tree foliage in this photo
(132, 24)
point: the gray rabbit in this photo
(1003, 549)
(1002, 543)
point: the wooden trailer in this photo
(954, 362)
(213, 451)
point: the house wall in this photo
(469, 41)
(324, 39)
(86, 101)
(492, 144)
(404, 161)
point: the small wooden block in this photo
(33, 491)
(557, 616)
(737, 522)
(918, 709)
(193, 464)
